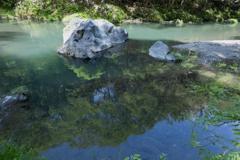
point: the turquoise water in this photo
(187, 33)
(126, 101)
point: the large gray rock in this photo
(73, 24)
(160, 51)
(87, 39)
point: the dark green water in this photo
(126, 101)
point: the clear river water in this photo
(124, 101)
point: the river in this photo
(123, 103)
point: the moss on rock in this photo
(19, 90)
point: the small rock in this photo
(178, 21)
(177, 54)
(160, 51)
(170, 57)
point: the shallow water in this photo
(126, 101)
(186, 33)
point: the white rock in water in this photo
(73, 24)
(9, 99)
(160, 51)
(86, 39)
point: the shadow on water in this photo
(11, 36)
(235, 38)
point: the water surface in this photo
(186, 33)
(124, 100)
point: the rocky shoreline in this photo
(223, 49)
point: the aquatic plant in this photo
(134, 157)
(163, 156)
(19, 90)
(220, 64)
(10, 150)
(216, 117)
(178, 56)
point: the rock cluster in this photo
(87, 39)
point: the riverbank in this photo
(66, 12)
(133, 12)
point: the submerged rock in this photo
(178, 21)
(133, 21)
(86, 39)
(168, 22)
(117, 50)
(160, 51)
(18, 94)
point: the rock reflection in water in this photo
(106, 111)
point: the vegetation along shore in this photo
(135, 11)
